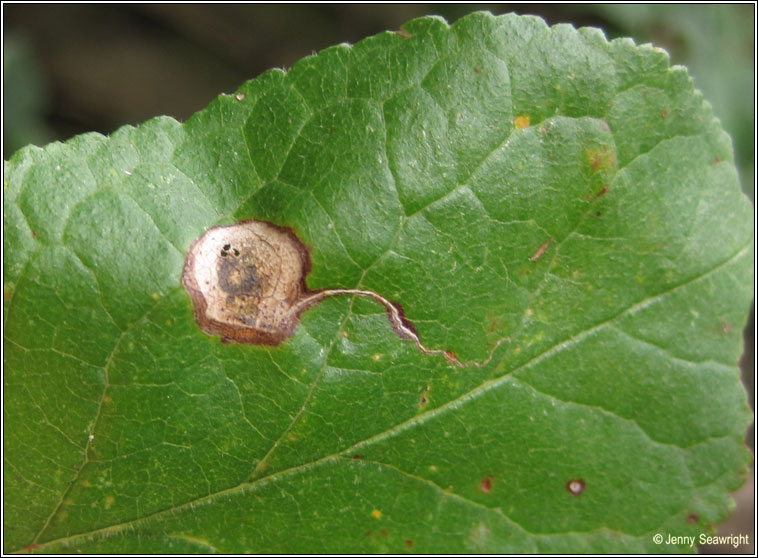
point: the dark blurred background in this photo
(70, 69)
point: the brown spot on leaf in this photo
(693, 518)
(409, 543)
(423, 400)
(244, 281)
(664, 112)
(358, 456)
(603, 191)
(575, 486)
(403, 33)
(478, 69)
(541, 250)
(486, 484)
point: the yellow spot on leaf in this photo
(521, 122)
(109, 502)
(601, 159)
(376, 514)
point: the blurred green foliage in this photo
(24, 95)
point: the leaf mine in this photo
(247, 284)
(244, 281)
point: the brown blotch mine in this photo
(244, 281)
(575, 486)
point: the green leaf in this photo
(561, 210)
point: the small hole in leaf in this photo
(575, 486)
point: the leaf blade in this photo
(567, 237)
